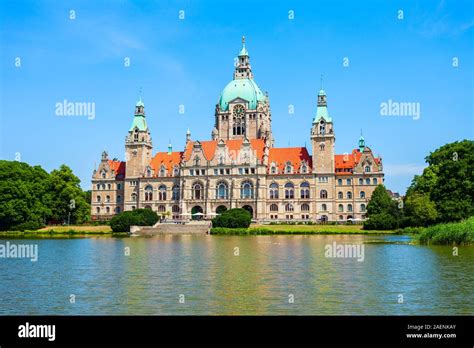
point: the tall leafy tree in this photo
(448, 181)
(382, 211)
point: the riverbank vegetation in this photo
(295, 229)
(138, 217)
(233, 218)
(454, 233)
(30, 197)
(443, 194)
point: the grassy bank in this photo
(295, 229)
(72, 230)
(457, 233)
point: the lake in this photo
(236, 275)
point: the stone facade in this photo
(239, 167)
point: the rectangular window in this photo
(191, 172)
(252, 170)
(215, 172)
(221, 171)
(246, 170)
(227, 171)
(241, 171)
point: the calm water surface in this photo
(259, 281)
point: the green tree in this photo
(382, 211)
(233, 218)
(66, 196)
(448, 181)
(419, 210)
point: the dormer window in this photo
(175, 171)
(104, 174)
(288, 168)
(162, 171)
(367, 169)
(197, 161)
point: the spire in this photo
(170, 148)
(322, 107)
(243, 70)
(139, 120)
(188, 135)
(361, 142)
(243, 51)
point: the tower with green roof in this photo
(138, 143)
(323, 137)
(243, 109)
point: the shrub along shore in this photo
(456, 233)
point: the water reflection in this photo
(268, 272)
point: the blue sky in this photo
(189, 61)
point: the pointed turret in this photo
(243, 70)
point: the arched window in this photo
(288, 168)
(289, 207)
(304, 168)
(340, 207)
(109, 186)
(304, 190)
(119, 186)
(197, 191)
(367, 169)
(148, 193)
(117, 210)
(161, 208)
(107, 210)
(133, 197)
(324, 207)
(339, 182)
(103, 186)
(175, 193)
(323, 194)
(362, 194)
(348, 181)
(349, 195)
(274, 190)
(107, 199)
(97, 210)
(197, 161)
(135, 135)
(274, 169)
(349, 207)
(374, 181)
(289, 191)
(321, 146)
(339, 195)
(273, 207)
(239, 120)
(175, 208)
(362, 207)
(304, 207)
(98, 199)
(361, 181)
(104, 174)
(98, 186)
(246, 190)
(341, 217)
(222, 191)
(322, 127)
(119, 199)
(162, 193)
(367, 181)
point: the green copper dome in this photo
(245, 89)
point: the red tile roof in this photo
(168, 159)
(209, 148)
(293, 154)
(346, 161)
(118, 167)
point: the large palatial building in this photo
(239, 167)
